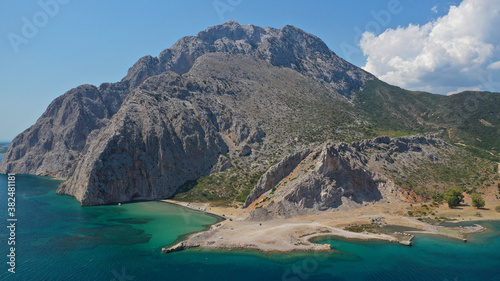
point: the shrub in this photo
(453, 197)
(438, 198)
(477, 200)
(497, 208)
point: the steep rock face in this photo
(173, 128)
(343, 177)
(51, 145)
(276, 174)
(286, 47)
(146, 151)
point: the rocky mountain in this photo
(55, 142)
(239, 112)
(51, 146)
(173, 128)
(286, 47)
(339, 176)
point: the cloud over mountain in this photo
(458, 50)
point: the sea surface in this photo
(57, 239)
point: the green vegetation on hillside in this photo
(470, 121)
(225, 188)
(456, 168)
(470, 118)
(393, 109)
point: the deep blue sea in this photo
(57, 239)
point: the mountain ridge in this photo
(179, 58)
(216, 111)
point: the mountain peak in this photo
(231, 22)
(289, 47)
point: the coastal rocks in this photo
(150, 148)
(408, 241)
(340, 180)
(179, 247)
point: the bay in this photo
(57, 239)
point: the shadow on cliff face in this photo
(324, 192)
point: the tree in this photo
(497, 208)
(477, 200)
(453, 197)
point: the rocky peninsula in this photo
(374, 222)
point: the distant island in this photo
(3, 147)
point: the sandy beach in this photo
(290, 235)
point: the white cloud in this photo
(434, 9)
(452, 52)
(463, 89)
(494, 66)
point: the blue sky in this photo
(90, 42)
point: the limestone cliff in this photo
(173, 128)
(51, 146)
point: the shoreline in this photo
(293, 235)
(188, 205)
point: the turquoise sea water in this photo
(56, 239)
